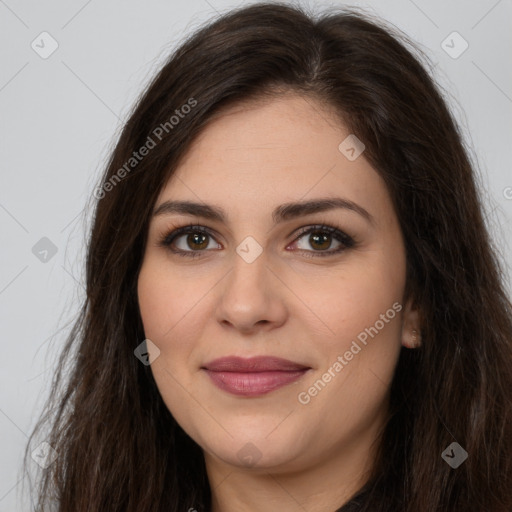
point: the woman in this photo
(292, 301)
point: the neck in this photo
(326, 485)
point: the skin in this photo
(251, 158)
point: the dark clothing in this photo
(354, 505)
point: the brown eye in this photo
(320, 239)
(197, 240)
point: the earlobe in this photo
(416, 339)
(411, 328)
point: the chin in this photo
(256, 456)
(258, 451)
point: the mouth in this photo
(254, 376)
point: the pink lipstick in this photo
(253, 376)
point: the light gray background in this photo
(60, 116)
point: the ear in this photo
(411, 326)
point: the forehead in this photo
(265, 152)
(285, 129)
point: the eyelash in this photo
(346, 241)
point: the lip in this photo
(253, 376)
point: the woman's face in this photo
(253, 284)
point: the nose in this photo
(253, 298)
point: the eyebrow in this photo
(281, 213)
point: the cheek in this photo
(167, 310)
(172, 308)
(353, 299)
(165, 299)
(360, 307)
(166, 317)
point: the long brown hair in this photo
(119, 448)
